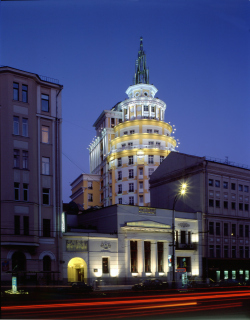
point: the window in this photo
(149, 130)
(240, 206)
(218, 251)
(140, 171)
(131, 201)
(120, 120)
(240, 187)
(90, 185)
(151, 159)
(132, 131)
(119, 162)
(151, 143)
(119, 188)
(130, 159)
(217, 183)
(153, 109)
(156, 131)
(24, 93)
(225, 229)
(130, 144)
(246, 207)
(225, 185)
(233, 251)
(45, 134)
(16, 158)
(217, 228)
(225, 251)
(46, 227)
(233, 205)
(125, 132)
(158, 144)
(90, 197)
(45, 166)
(150, 171)
(183, 237)
(133, 256)
(46, 196)
(120, 200)
(210, 182)
(26, 225)
(233, 230)
(225, 205)
(105, 265)
(141, 185)
(123, 145)
(147, 256)
(16, 225)
(119, 175)
(211, 202)
(15, 91)
(140, 200)
(160, 256)
(25, 159)
(161, 159)
(184, 262)
(16, 125)
(217, 203)
(247, 231)
(233, 186)
(241, 252)
(247, 252)
(16, 190)
(246, 188)
(131, 187)
(145, 108)
(45, 102)
(112, 122)
(25, 127)
(131, 173)
(25, 192)
(211, 251)
(211, 228)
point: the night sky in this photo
(198, 54)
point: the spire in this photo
(141, 71)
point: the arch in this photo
(47, 253)
(11, 252)
(77, 270)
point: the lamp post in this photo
(180, 193)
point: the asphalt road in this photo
(223, 304)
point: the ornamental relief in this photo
(184, 225)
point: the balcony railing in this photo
(141, 146)
(184, 246)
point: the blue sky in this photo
(197, 53)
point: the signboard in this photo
(14, 284)
(169, 260)
(181, 270)
(76, 245)
(146, 210)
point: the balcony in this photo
(185, 246)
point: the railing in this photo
(141, 146)
(184, 246)
(234, 164)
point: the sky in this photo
(198, 54)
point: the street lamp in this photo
(181, 192)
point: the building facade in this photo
(30, 176)
(220, 190)
(127, 243)
(132, 139)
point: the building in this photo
(220, 190)
(132, 139)
(30, 176)
(122, 244)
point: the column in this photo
(154, 262)
(140, 262)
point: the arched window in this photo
(18, 261)
(46, 263)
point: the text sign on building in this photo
(14, 284)
(146, 210)
(76, 245)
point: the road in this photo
(227, 304)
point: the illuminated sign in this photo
(76, 245)
(63, 222)
(181, 270)
(146, 210)
(14, 284)
(169, 260)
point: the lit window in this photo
(151, 159)
(46, 196)
(45, 134)
(25, 127)
(45, 102)
(25, 159)
(15, 91)
(16, 125)
(131, 173)
(24, 93)
(45, 166)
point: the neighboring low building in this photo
(30, 176)
(123, 244)
(220, 190)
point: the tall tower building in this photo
(30, 176)
(132, 139)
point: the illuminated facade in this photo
(129, 243)
(132, 139)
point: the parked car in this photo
(150, 284)
(81, 287)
